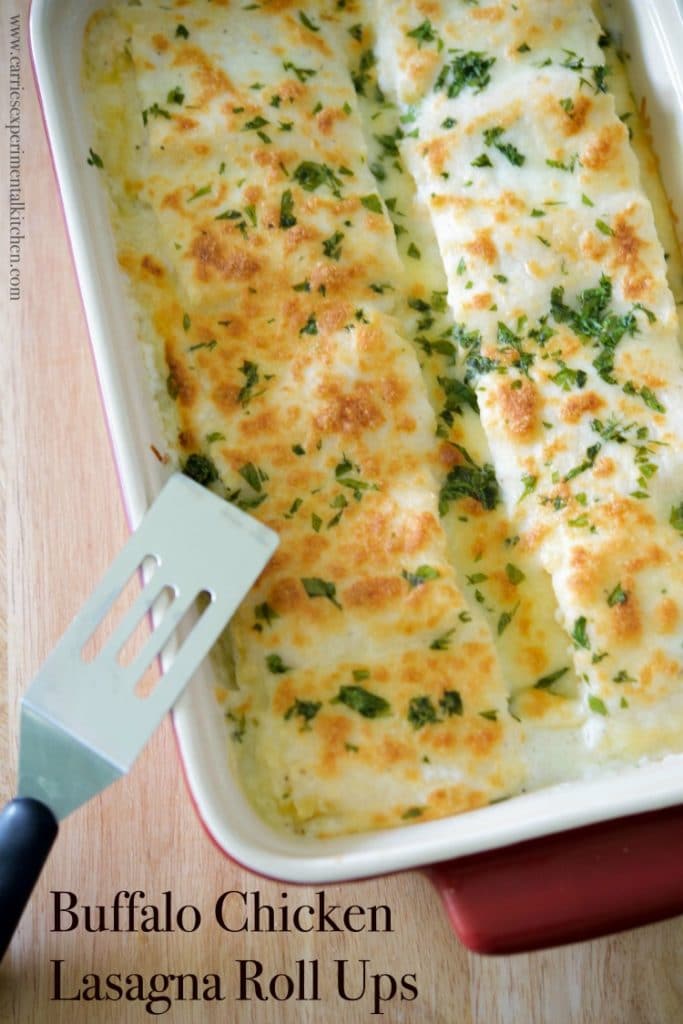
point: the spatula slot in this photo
(118, 605)
(167, 639)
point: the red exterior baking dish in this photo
(565, 863)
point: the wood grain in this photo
(64, 522)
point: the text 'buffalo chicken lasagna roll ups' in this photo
(570, 333)
(349, 229)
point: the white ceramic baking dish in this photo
(517, 885)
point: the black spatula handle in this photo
(27, 831)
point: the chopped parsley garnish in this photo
(304, 709)
(210, 345)
(579, 634)
(254, 476)
(303, 74)
(367, 704)
(276, 665)
(515, 575)
(617, 596)
(591, 455)
(372, 203)
(545, 682)
(311, 175)
(287, 218)
(483, 160)
(94, 159)
(356, 32)
(414, 252)
(468, 480)
(491, 715)
(593, 319)
(332, 245)
(603, 227)
(465, 70)
(424, 33)
(676, 517)
(215, 435)
(420, 576)
(201, 468)
(250, 371)
(529, 482)
(650, 399)
(306, 21)
(451, 702)
(458, 395)
(181, 32)
(315, 587)
(505, 620)
(176, 96)
(360, 674)
(442, 643)
(421, 712)
(597, 705)
(412, 812)
(204, 191)
(566, 378)
(155, 111)
(264, 614)
(492, 137)
(311, 325)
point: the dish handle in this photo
(566, 887)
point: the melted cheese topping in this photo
(571, 336)
(454, 613)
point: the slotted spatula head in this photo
(82, 723)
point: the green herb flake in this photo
(451, 703)
(442, 643)
(676, 517)
(250, 372)
(176, 96)
(421, 712)
(505, 620)
(315, 587)
(597, 705)
(304, 709)
(181, 32)
(287, 218)
(303, 74)
(367, 704)
(372, 203)
(201, 468)
(424, 33)
(465, 70)
(617, 596)
(332, 245)
(204, 191)
(515, 575)
(307, 23)
(276, 665)
(412, 812)
(94, 159)
(545, 682)
(579, 634)
(263, 613)
(420, 576)
(311, 325)
(311, 176)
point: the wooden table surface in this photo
(64, 524)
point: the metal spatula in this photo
(82, 723)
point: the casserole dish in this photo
(513, 828)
